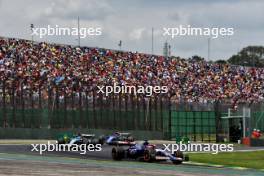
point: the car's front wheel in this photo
(118, 153)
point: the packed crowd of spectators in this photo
(26, 65)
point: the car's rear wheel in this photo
(118, 153)
(178, 154)
(149, 155)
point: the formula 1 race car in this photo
(118, 138)
(79, 139)
(148, 153)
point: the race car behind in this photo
(148, 153)
(118, 138)
(79, 139)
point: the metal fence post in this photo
(114, 111)
(119, 126)
(194, 125)
(32, 107)
(101, 109)
(40, 105)
(150, 114)
(202, 127)
(144, 113)
(138, 113)
(169, 123)
(80, 111)
(161, 113)
(72, 110)
(87, 110)
(126, 115)
(13, 105)
(23, 105)
(217, 120)
(57, 120)
(65, 110)
(156, 113)
(94, 111)
(49, 106)
(132, 101)
(4, 105)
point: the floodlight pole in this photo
(120, 45)
(170, 114)
(170, 124)
(31, 28)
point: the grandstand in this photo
(54, 86)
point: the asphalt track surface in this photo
(14, 158)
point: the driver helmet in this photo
(145, 142)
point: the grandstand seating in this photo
(26, 65)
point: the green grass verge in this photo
(253, 160)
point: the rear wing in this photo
(125, 134)
(88, 135)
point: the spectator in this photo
(72, 70)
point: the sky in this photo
(132, 21)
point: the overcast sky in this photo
(131, 22)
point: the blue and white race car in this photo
(118, 138)
(148, 153)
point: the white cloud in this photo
(131, 22)
(70, 9)
(136, 34)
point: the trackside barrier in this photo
(55, 109)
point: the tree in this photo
(196, 58)
(250, 56)
(220, 61)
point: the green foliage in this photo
(221, 61)
(196, 58)
(252, 56)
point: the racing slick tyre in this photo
(178, 154)
(118, 153)
(149, 155)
